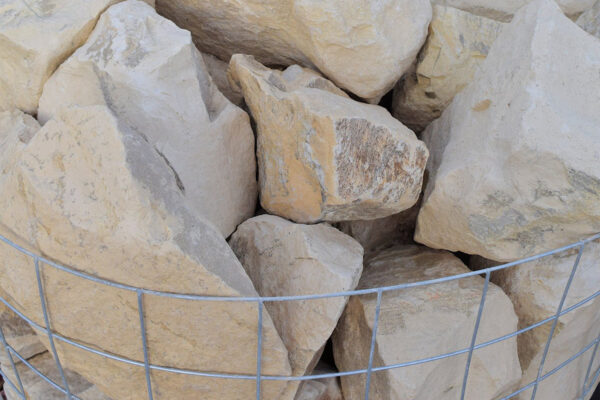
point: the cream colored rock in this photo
(503, 10)
(322, 155)
(19, 335)
(383, 232)
(457, 44)
(514, 165)
(16, 130)
(217, 70)
(35, 37)
(362, 45)
(287, 259)
(92, 194)
(590, 20)
(38, 389)
(535, 289)
(150, 74)
(425, 321)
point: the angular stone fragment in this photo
(322, 388)
(35, 37)
(424, 321)
(322, 155)
(217, 70)
(382, 232)
(148, 72)
(590, 20)
(19, 335)
(457, 44)
(362, 45)
(287, 259)
(503, 10)
(93, 194)
(535, 289)
(514, 165)
(37, 388)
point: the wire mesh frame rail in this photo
(590, 377)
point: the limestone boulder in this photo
(590, 20)
(149, 73)
(217, 70)
(35, 37)
(504, 10)
(37, 388)
(383, 232)
(426, 321)
(287, 259)
(535, 289)
(457, 44)
(364, 46)
(322, 155)
(514, 165)
(92, 194)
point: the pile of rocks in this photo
(137, 139)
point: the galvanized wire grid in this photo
(590, 377)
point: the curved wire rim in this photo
(296, 297)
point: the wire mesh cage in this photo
(591, 349)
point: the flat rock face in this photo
(457, 44)
(148, 72)
(35, 37)
(37, 388)
(424, 321)
(590, 20)
(503, 10)
(535, 289)
(90, 193)
(286, 259)
(322, 155)
(362, 45)
(514, 165)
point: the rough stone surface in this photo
(35, 37)
(503, 10)
(514, 159)
(321, 389)
(590, 20)
(383, 232)
(535, 289)
(38, 389)
(322, 155)
(217, 70)
(458, 42)
(16, 129)
(287, 259)
(90, 193)
(19, 335)
(425, 321)
(362, 45)
(149, 73)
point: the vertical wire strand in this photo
(475, 331)
(48, 327)
(140, 300)
(555, 322)
(12, 362)
(589, 368)
(259, 350)
(373, 340)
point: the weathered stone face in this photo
(457, 44)
(503, 10)
(19, 335)
(217, 70)
(92, 194)
(323, 156)
(321, 389)
(287, 259)
(38, 389)
(536, 289)
(35, 37)
(362, 45)
(420, 322)
(590, 20)
(514, 165)
(149, 73)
